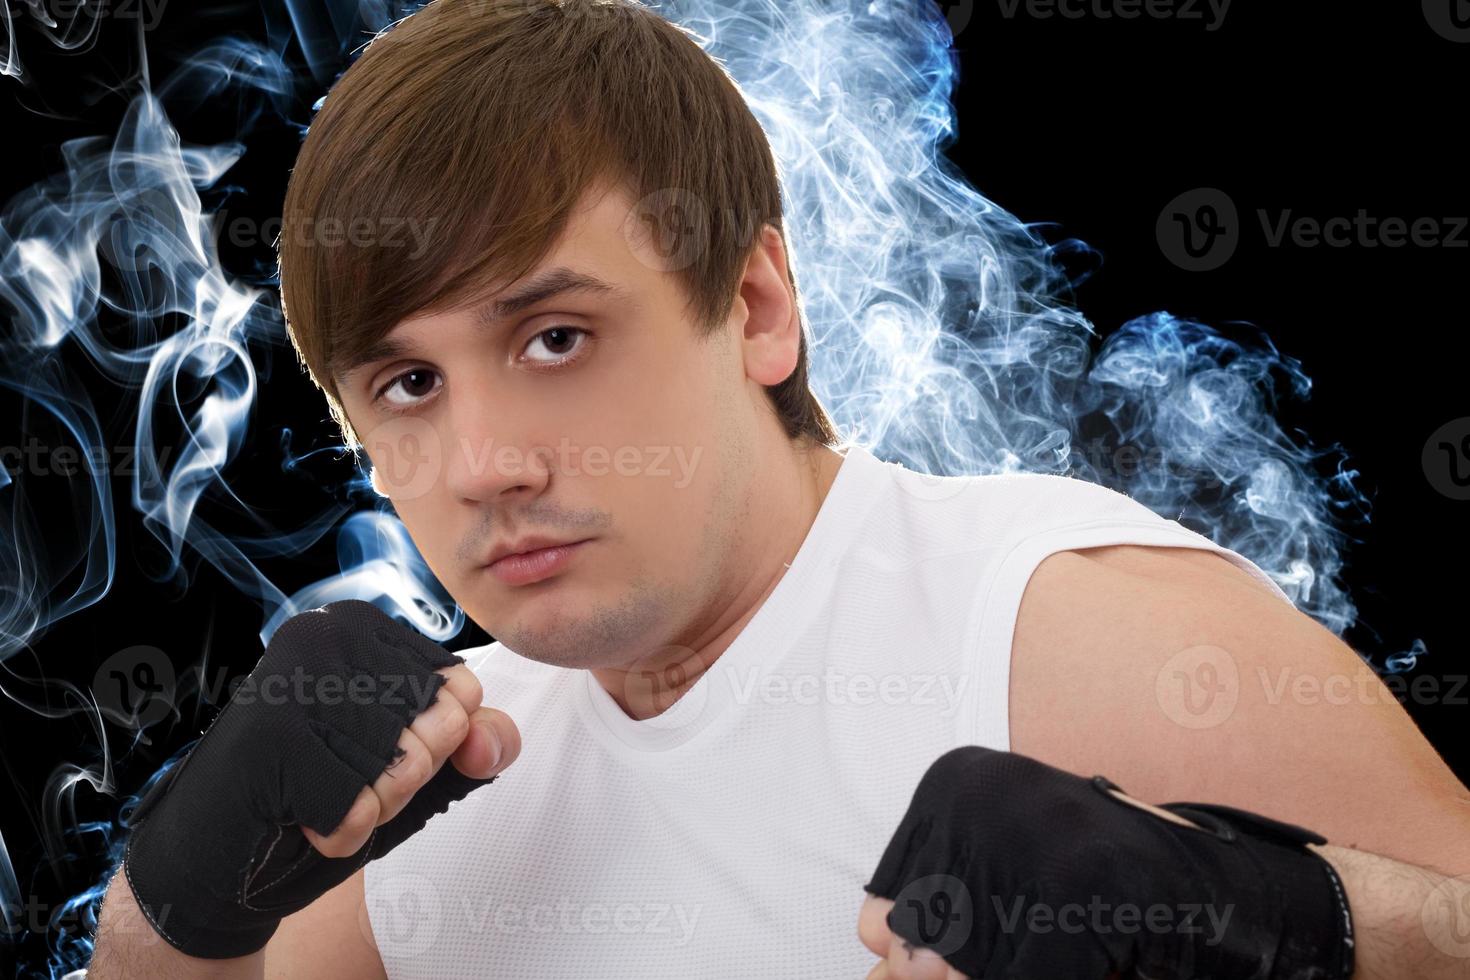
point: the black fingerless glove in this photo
(215, 858)
(1008, 867)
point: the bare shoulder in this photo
(331, 938)
(1178, 675)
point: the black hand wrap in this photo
(1008, 867)
(215, 858)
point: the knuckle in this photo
(347, 836)
(474, 691)
(455, 727)
(411, 771)
(463, 685)
(442, 728)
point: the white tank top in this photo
(731, 835)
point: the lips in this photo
(525, 545)
(536, 565)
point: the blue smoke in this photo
(940, 331)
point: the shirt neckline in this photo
(765, 637)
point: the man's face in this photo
(586, 415)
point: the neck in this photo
(791, 500)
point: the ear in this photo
(770, 328)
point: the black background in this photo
(1089, 124)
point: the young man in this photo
(740, 642)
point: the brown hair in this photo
(489, 119)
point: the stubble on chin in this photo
(601, 636)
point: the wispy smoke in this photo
(942, 335)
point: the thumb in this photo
(491, 744)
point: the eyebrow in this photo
(537, 289)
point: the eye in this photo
(561, 337)
(412, 382)
(407, 380)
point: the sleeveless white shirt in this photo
(731, 835)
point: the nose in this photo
(490, 451)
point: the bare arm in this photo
(1410, 922)
(128, 946)
(332, 938)
(332, 934)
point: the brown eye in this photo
(415, 384)
(563, 343)
(415, 379)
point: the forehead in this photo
(608, 226)
(606, 238)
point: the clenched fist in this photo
(329, 755)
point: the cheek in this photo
(408, 460)
(431, 536)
